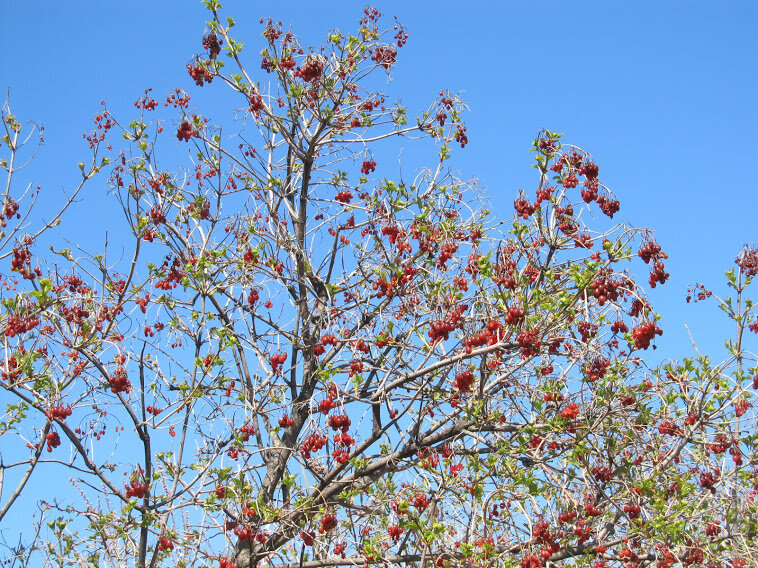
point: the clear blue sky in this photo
(663, 94)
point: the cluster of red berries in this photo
(608, 206)
(60, 412)
(212, 44)
(395, 532)
(285, 421)
(524, 209)
(460, 135)
(277, 361)
(340, 422)
(602, 473)
(605, 289)
(720, 444)
(748, 262)
(384, 56)
(22, 263)
(165, 543)
(668, 428)
(597, 369)
(328, 523)
(571, 411)
(368, 166)
(118, 381)
(312, 443)
(53, 440)
(632, 510)
(17, 324)
(136, 489)
(421, 501)
(532, 561)
(619, 326)
(356, 366)
(328, 403)
(329, 339)
(529, 343)
(542, 535)
(741, 407)
(651, 251)
(10, 209)
(490, 336)
(246, 431)
(344, 196)
(185, 131)
(312, 70)
(307, 538)
(464, 380)
(200, 74)
(586, 330)
(709, 478)
(440, 330)
(644, 333)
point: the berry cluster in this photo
(118, 381)
(328, 523)
(651, 251)
(668, 428)
(212, 44)
(529, 343)
(440, 330)
(602, 473)
(53, 440)
(385, 57)
(748, 262)
(587, 330)
(597, 369)
(605, 289)
(709, 478)
(17, 324)
(328, 403)
(344, 196)
(285, 421)
(10, 209)
(356, 367)
(524, 209)
(490, 336)
(200, 75)
(22, 263)
(312, 70)
(571, 411)
(165, 543)
(542, 535)
(644, 333)
(340, 422)
(421, 501)
(277, 361)
(136, 489)
(185, 132)
(515, 315)
(464, 380)
(368, 166)
(60, 412)
(312, 443)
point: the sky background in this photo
(663, 94)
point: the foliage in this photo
(307, 361)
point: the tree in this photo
(308, 360)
